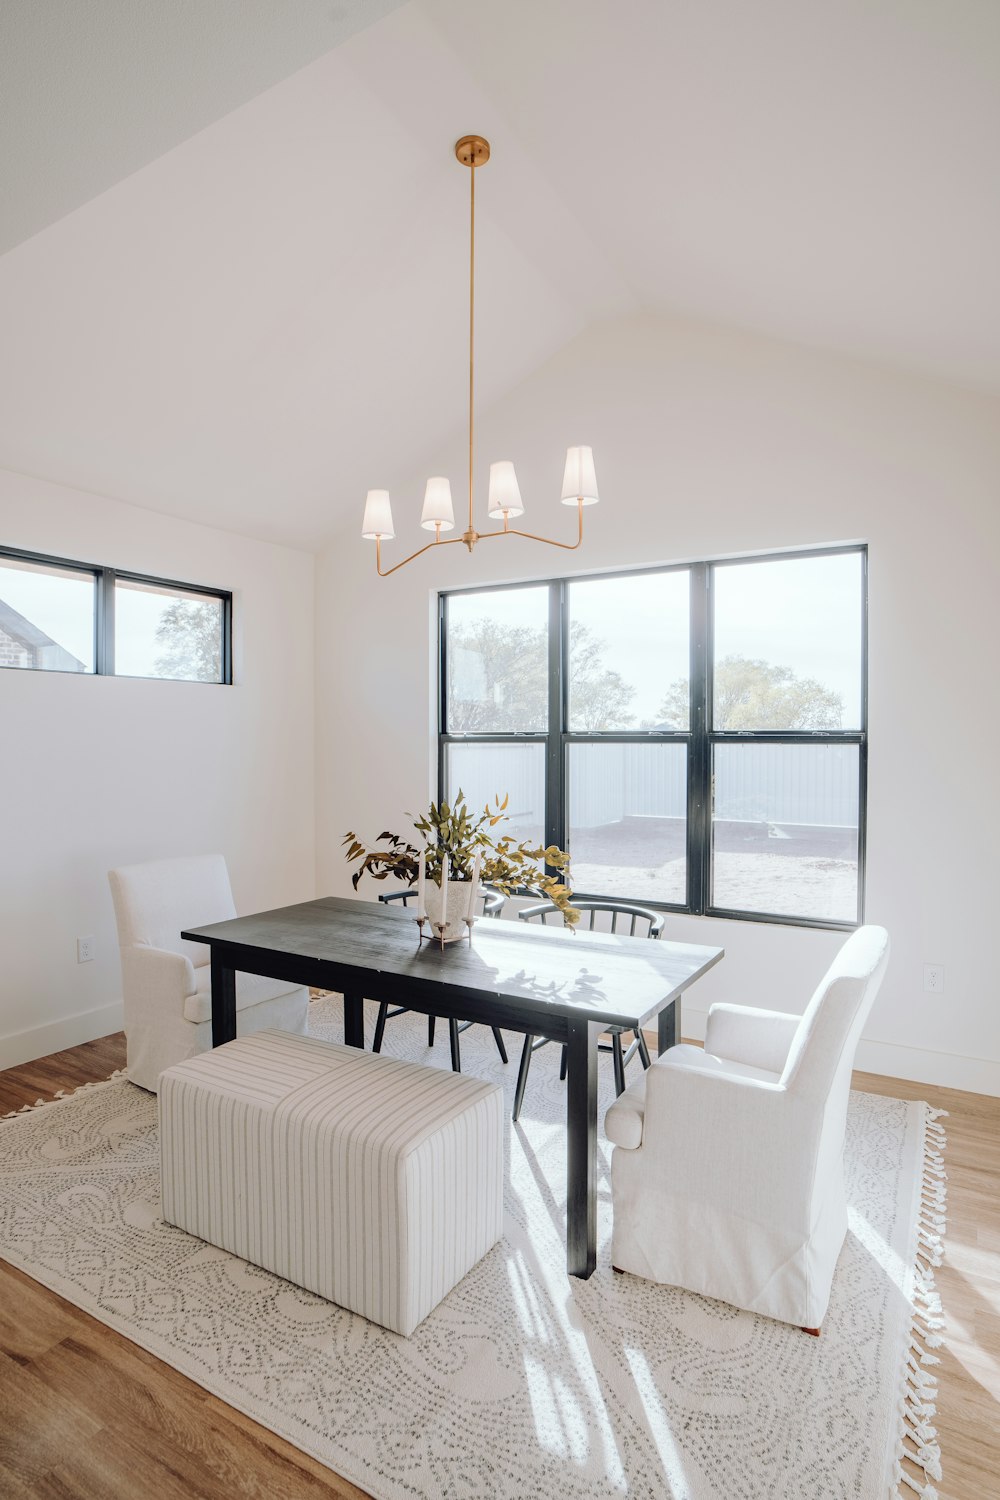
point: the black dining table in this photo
(568, 986)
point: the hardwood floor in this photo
(43, 1078)
(86, 1415)
(968, 1401)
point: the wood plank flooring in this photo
(968, 1402)
(86, 1415)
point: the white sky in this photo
(643, 621)
(801, 613)
(137, 614)
(528, 606)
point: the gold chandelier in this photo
(504, 497)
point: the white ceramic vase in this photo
(458, 905)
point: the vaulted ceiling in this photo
(237, 283)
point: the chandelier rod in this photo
(472, 320)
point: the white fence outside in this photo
(814, 785)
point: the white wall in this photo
(707, 443)
(96, 772)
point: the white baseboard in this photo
(949, 1070)
(55, 1036)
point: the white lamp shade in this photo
(579, 478)
(504, 495)
(438, 509)
(378, 516)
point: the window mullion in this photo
(699, 812)
(863, 745)
(443, 725)
(442, 716)
(104, 624)
(227, 639)
(862, 813)
(555, 797)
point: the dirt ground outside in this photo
(777, 875)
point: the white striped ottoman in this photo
(376, 1183)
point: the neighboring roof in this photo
(14, 624)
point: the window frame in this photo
(105, 579)
(700, 738)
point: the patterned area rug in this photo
(523, 1382)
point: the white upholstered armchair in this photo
(167, 983)
(727, 1174)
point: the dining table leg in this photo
(668, 1026)
(223, 1000)
(354, 1021)
(581, 1147)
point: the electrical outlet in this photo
(85, 948)
(934, 979)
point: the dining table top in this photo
(616, 979)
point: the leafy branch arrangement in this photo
(508, 866)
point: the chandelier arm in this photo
(472, 537)
(437, 542)
(549, 542)
(534, 537)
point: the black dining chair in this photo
(493, 903)
(634, 921)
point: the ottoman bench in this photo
(376, 1183)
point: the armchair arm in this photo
(758, 1038)
(155, 977)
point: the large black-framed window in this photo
(59, 614)
(695, 736)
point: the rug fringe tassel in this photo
(925, 1491)
(918, 1444)
(98, 1083)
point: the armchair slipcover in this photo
(727, 1174)
(166, 982)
